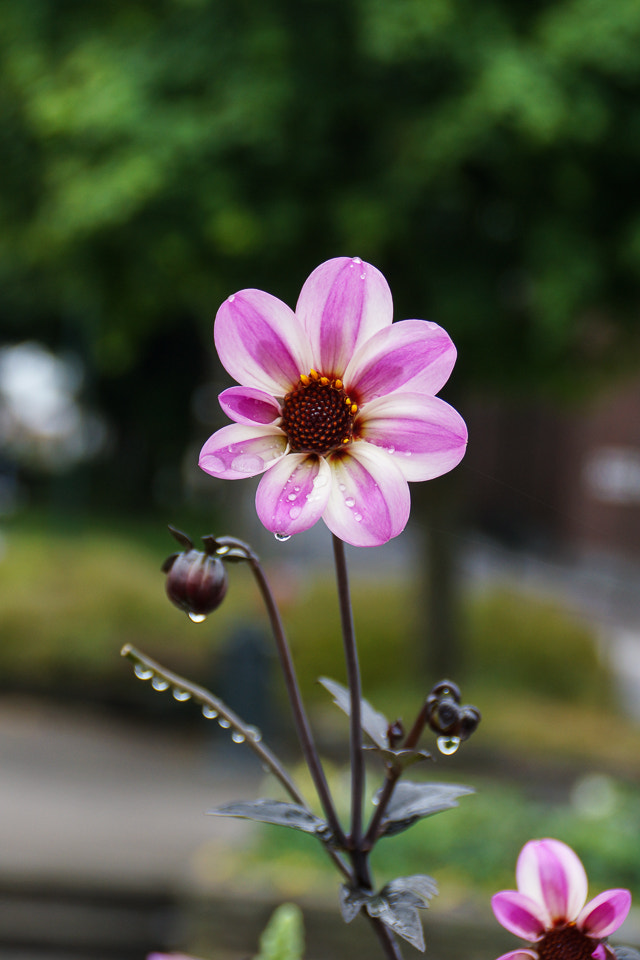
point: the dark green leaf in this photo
(274, 811)
(351, 901)
(374, 724)
(412, 801)
(399, 912)
(420, 886)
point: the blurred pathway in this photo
(86, 798)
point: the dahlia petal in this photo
(519, 914)
(292, 495)
(425, 435)
(412, 355)
(238, 451)
(519, 955)
(260, 342)
(552, 874)
(248, 405)
(369, 501)
(602, 953)
(605, 913)
(341, 304)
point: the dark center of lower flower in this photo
(317, 415)
(566, 943)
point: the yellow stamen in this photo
(305, 379)
(324, 381)
(354, 408)
(337, 384)
(314, 374)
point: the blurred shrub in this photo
(68, 603)
(519, 642)
(470, 850)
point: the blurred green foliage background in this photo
(158, 154)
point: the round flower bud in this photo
(196, 582)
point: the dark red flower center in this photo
(566, 943)
(317, 415)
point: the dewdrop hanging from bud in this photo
(196, 580)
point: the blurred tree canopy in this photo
(159, 154)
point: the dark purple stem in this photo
(299, 714)
(359, 859)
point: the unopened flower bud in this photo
(196, 581)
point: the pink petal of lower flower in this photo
(425, 435)
(519, 955)
(602, 952)
(342, 303)
(292, 495)
(238, 451)
(260, 342)
(369, 501)
(605, 913)
(248, 405)
(412, 355)
(552, 874)
(519, 914)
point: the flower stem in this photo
(386, 938)
(299, 714)
(218, 708)
(359, 860)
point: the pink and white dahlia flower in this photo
(549, 909)
(336, 404)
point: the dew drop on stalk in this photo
(159, 684)
(448, 745)
(224, 723)
(197, 617)
(254, 733)
(237, 737)
(142, 672)
(282, 537)
(180, 694)
(209, 713)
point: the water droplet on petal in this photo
(180, 694)
(224, 723)
(209, 712)
(341, 487)
(357, 517)
(350, 502)
(237, 737)
(295, 512)
(214, 464)
(391, 449)
(356, 260)
(282, 537)
(247, 463)
(363, 276)
(158, 683)
(291, 497)
(231, 298)
(197, 617)
(448, 745)
(142, 672)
